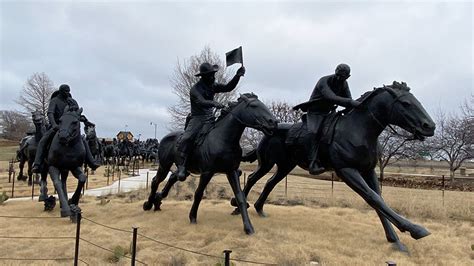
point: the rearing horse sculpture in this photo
(351, 150)
(219, 152)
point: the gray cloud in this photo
(118, 57)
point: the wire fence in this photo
(78, 239)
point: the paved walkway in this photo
(126, 184)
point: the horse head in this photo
(404, 110)
(69, 125)
(251, 112)
(37, 117)
(90, 132)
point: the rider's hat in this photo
(206, 68)
(64, 87)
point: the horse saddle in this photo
(327, 129)
(201, 136)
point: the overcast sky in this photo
(118, 57)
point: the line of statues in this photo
(326, 139)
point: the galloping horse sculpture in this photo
(28, 148)
(219, 152)
(67, 153)
(349, 147)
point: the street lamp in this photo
(154, 124)
(139, 135)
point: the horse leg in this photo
(81, 178)
(43, 186)
(262, 169)
(233, 178)
(354, 180)
(22, 165)
(373, 183)
(203, 181)
(161, 174)
(281, 173)
(54, 173)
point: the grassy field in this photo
(309, 220)
(336, 232)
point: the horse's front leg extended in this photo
(155, 182)
(233, 178)
(81, 178)
(373, 183)
(354, 180)
(54, 173)
(203, 181)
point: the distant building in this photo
(125, 134)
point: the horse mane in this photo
(395, 88)
(243, 97)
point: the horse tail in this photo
(250, 156)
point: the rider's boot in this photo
(41, 151)
(182, 173)
(314, 167)
(89, 158)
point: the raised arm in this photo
(232, 83)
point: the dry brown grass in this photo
(336, 230)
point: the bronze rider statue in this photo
(202, 104)
(58, 102)
(330, 91)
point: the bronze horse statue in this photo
(67, 153)
(28, 148)
(219, 152)
(349, 146)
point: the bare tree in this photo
(394, 146)
(14, 125)
(36, 93)
(183, 79)
(282, 111)
(453, 140)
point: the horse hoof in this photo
(42, 198)
(261, 213)
(419, 232)
(147, 205)
(249, 231)
(65, 213)
(399, 246)
(49, 203)
(233, 202)
(236, 212)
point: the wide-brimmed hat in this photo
(206, 68)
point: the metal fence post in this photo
(245, 178)
(227, 257)
(332, 185)
(78, 233)
(33, 187)
(147, 173)
(87, 179)
(134, 244)
(443, 190)
(13, 186)
(391, 263)
(286, 186)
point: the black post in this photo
(227, 257)
(147, 180)
(245, 178)
(134, 244)
(33, 188)
(286, 186)
(332, 185)
(87, 179)
(443, 190)
(108, 179)
(78, 233)
(391, 263)
(10, 171)
(13, 186)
